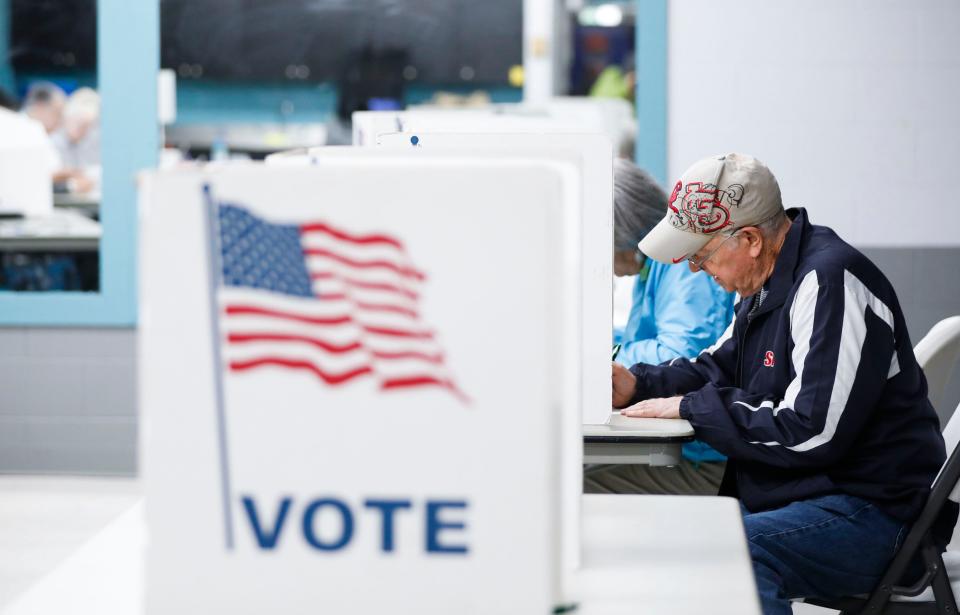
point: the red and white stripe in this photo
(364, 323)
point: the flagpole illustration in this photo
(215, 273)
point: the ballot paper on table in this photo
(675, 427)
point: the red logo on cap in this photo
(673, 196)
(702, 208)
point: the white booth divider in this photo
(372, 125)
(353, 380)
(592, 156)
(562, 114)
(542, 148)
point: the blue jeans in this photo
(828, 547)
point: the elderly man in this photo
(813, 392)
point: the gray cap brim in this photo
(669, 245)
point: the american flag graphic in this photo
(317, 299)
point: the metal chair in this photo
(937, 353)
(890, 598)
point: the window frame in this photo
(128, 59)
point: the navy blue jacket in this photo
(818, 391)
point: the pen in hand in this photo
(616, 351)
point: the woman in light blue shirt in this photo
(675, 313)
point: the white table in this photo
(263, 138)
(621, 439)
(87, 203)
(60, 231)
(665, 555)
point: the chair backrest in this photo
(951, 437)
(937, 353)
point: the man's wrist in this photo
(685, 406)
(638, 388)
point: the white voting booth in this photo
(588, 311)
(327, 360)
(593, 158)
(591, 154)
(369, 126)
(567, 114)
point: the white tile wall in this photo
(67, 401)
(922, 279)
(852, 104)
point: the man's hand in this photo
(659, 408)
(624, 385)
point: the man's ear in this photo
(754, 240)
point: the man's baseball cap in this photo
(715, 195)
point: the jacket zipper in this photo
(743, 339)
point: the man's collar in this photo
(781, 281)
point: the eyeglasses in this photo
(703, 261)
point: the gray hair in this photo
(772, 226)
(638, 204)
(44, 93)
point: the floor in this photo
(45, 519)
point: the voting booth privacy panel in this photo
(593, 157)
(585, 163)
(329, 356)
(369, 126)
(562, 114)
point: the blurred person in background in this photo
(44, 103)
(78, 140)
(29, 131)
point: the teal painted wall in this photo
(206, 102)
(6, 71)
(651, 151)
(218, 103)
(128, 42)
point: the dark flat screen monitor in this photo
(445, 41)
(53, 35)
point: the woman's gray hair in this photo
(638, 204)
